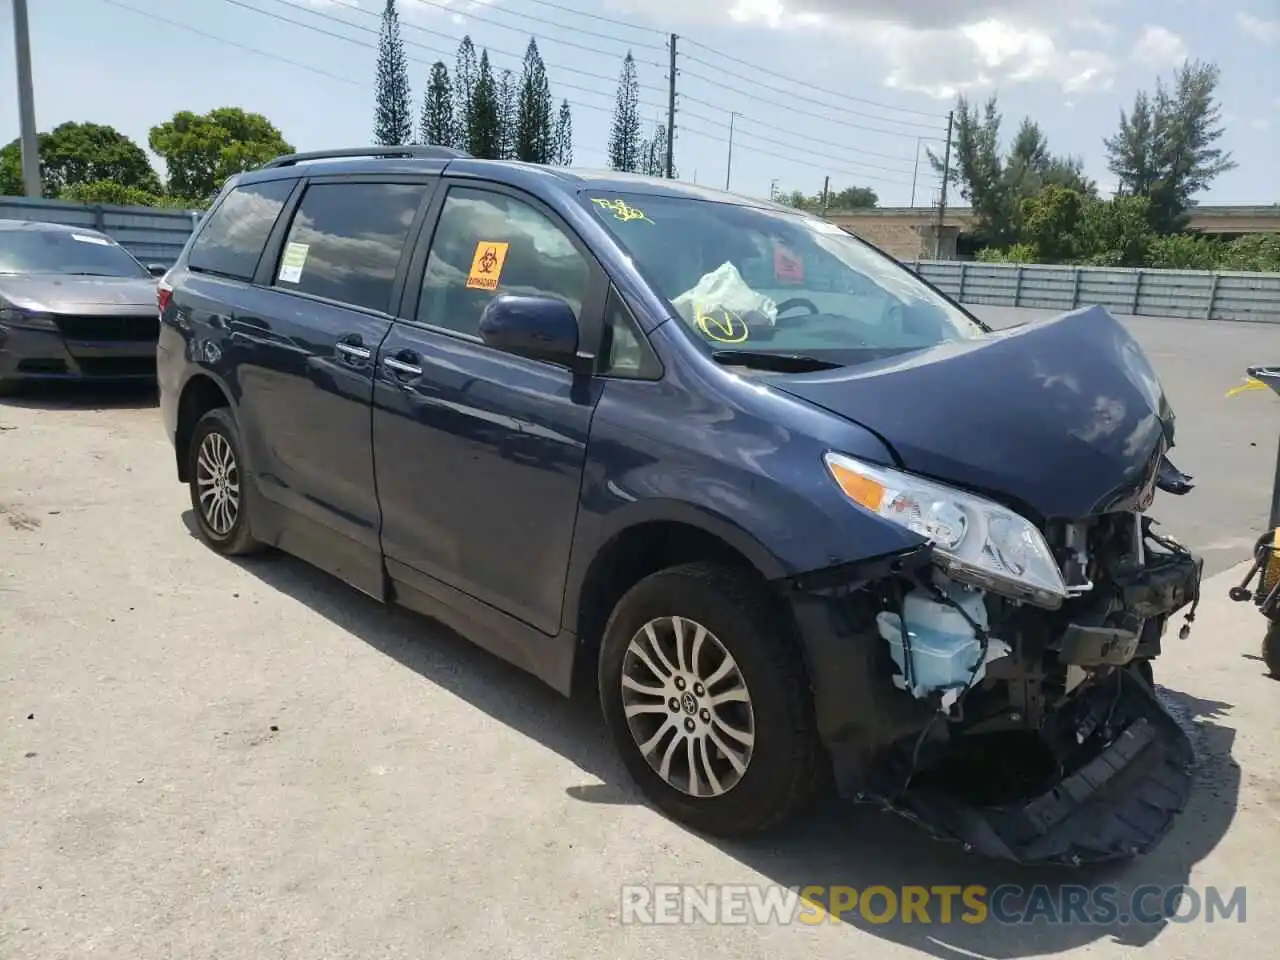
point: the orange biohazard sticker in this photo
(486, 265)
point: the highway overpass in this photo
(908, 232)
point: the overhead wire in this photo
(416, 44)
(792, 108)
(151, 15)
(750, 148)
(598, 17)
(757, 68)
(742, 117)
(372, 46)
(471, 15)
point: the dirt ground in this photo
(203, 758)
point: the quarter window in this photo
(346, 240)
(236, 232)
(487, 244)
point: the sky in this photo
(851, 89)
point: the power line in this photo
(596, 16)
(371, 46)
(507, 26)
(414, 43)
(303, 66)
(792, 108)
(530, 16)
(804, 163)
(793, 133)
(234, 43)
(804, 83)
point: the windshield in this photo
(761, 281)
(24, 251)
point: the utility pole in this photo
(915, 173)
(26, 101)
(671, 115)
(826, 194)
(728, 169)
(946, 175)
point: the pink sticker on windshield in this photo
(787, 267)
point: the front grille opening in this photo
(110, 329)
(117, 366)
(45, 367)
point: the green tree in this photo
(624, 134)
(535, 131)
(562, 149)
(653, 153)
(853, 198)
(201, 150)
(1050, 221)
(1115, 233)
(393, 106)
(508, 115)
(465, 74)
(437, 126)
(1166, 150)
(76, 153)
(994, 184)
(484, 123)
(1183, 251)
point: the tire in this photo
(217, 437)
(1271, 649)
(783, 772)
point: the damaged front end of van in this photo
(995, 683)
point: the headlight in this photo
(20, 317)
(975, 540)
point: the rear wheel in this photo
(218, 481)
(704, 692)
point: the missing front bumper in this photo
(1113, 796)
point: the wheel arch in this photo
(654, 539)
(201, 393)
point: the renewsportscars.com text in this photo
(1103, 905)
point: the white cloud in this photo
(1159, 47)
(936, 47)
(1268, 31)
(1261, 123)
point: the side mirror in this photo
(157, 269)
(541, 328)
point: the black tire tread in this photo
(807, 773)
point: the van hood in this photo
(1065, 417)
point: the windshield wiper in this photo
(779, 362)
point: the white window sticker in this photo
(85, 238)
(295, 255)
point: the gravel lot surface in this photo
(201, 758)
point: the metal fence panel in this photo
(1191, 294)
(152, 234)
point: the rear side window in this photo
(346, 241)
(234, 235)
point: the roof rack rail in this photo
(412, 151)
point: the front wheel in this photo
(704, 692)
(218, 481)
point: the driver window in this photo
(487, 244)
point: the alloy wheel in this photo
(688, 707)
(218, 480)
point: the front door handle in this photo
(352, 351)
(402, 368)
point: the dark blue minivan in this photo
(807, 524)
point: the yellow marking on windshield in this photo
(621, 210)
(729, 329)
